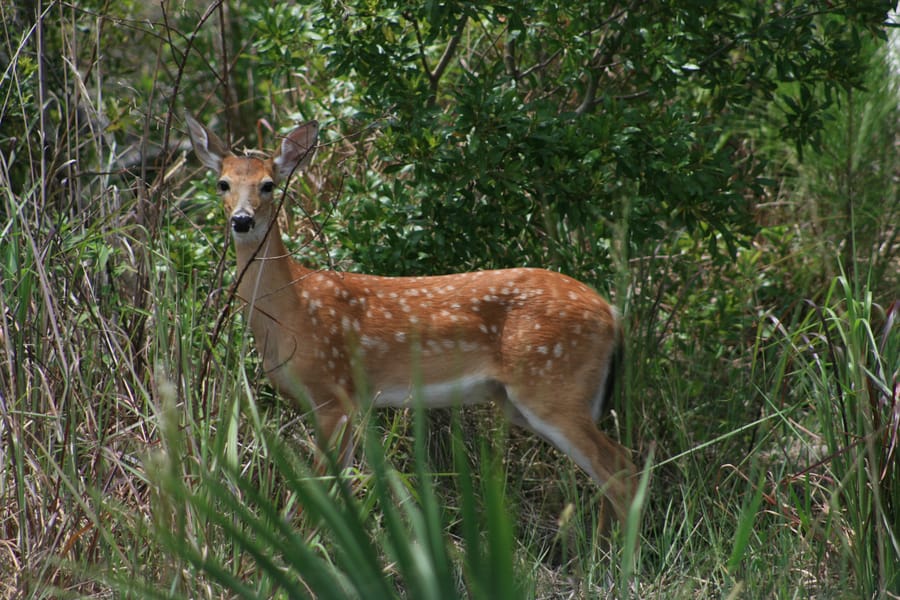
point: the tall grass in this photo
(340, 536)
(849, 361)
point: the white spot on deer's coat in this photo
(557, 350)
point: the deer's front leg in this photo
(333, 417)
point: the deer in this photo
(537, 342)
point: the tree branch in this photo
(509, 58)
(421, 42)
(587, 103)
(599, 61)
(435, 75)
(541, 65)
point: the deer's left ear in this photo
(297, 149)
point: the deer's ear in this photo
(207, 145)
(297, 149)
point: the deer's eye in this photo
(267, 187)
(223, 186)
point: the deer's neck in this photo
(268, 274)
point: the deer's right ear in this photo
(207, 145)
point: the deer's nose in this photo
(242, 223)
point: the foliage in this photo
(855, 209)
(545, 124)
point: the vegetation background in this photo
(726, 172)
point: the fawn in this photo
(538, 342)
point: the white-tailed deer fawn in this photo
(538, 342)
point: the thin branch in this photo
(421, 42)
(599, 61)
(509, 58)
(435, 76)
(587, 103)
(541, 65)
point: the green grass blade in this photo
(745, 525)
(354, 552)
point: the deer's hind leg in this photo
(568, 424)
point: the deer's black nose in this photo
(242, 223)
